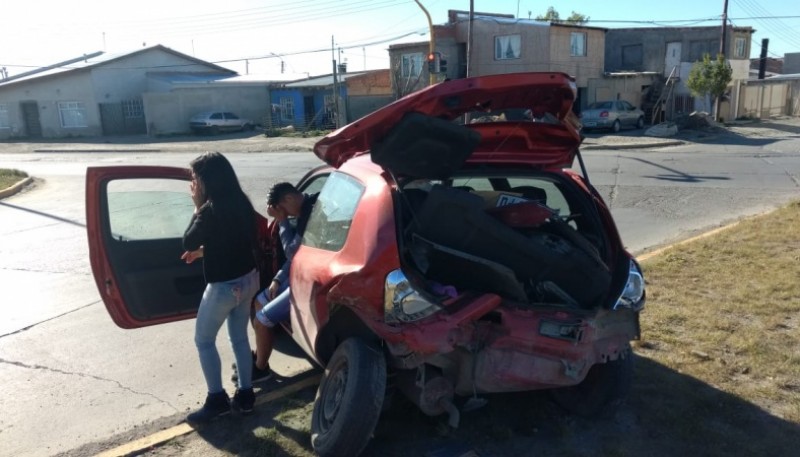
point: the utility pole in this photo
(335, 85)
(724, 28)
(762, 62)
(722, 50)
(469, 33)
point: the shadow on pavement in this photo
(677, 175)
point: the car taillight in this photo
(402, 303)
(633, 296)
(604, 114)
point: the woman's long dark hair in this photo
(223, 190)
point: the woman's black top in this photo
(228, 237)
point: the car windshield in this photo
(600, 105)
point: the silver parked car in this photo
(219, 121)
(612, 115)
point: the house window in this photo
(577, 44)
(287, 109)
(507, 47)
(697, 49)
(4, 121)
(411, 64)
(632, 57)
(739, 47)
(72, 114)
(133, 109)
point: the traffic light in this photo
(434, 62)
(442, 65)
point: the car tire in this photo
(602, 391)
(214, 130)
(615, 126)
(640, 123)
(349, 399)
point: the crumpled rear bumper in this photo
(490, 347)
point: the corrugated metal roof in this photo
(97, 59)
(322, 81)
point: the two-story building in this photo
(488, 43)
(660, 59)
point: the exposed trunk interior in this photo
(534, 240)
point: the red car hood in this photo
(550, 140)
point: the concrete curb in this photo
(633, 145)
(15, 188)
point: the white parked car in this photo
(219, 121)
(612, 115)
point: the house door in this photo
(122, 118)
(30, 117)
(308, 110)
(673, 59)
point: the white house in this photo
(101, 94)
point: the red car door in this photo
(135, 220)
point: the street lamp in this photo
(432, 43)
(283, 65)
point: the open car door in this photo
(135, 220)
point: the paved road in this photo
(64, 362)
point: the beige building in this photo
(498, 44)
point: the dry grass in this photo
(717, 373)
(726, 310)
(9, 177)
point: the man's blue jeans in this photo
(229, 300)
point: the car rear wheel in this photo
(615, 126)
(601, 392)
(640, 123)
(349, 399)
(214, 130)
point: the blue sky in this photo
(246, 35)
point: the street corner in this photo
(15, 188)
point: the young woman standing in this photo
(223, 232)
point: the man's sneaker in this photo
(243, 401)
(253, 353)
(260, 375)
(217, 404)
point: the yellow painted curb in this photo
(650, 255)
(15, 188)
(158, 438)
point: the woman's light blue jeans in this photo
(229, 300)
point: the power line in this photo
(772, 23)
(241, 59)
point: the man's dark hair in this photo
(279, 191)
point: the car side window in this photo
(216, 116)
(148, 209)
(313, 185)
(333, 212)
(231, 116)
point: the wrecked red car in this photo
(452, 249)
